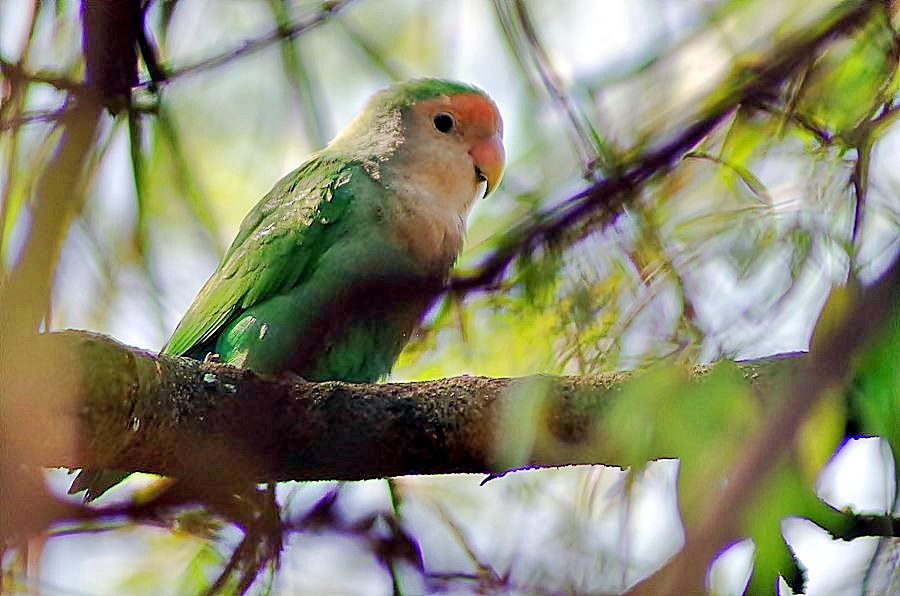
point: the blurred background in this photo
(730, 253)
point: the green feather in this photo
(278, 242)
(410, 92)
(316, 282)
(299, 288)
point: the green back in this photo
(277, 246)
(320, 238)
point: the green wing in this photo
(278, 244)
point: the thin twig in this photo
(327, 10)
(25, 118)
(16, 72)
(585, 139)
(826, 368)
(532, 58)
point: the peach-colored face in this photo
(474, 119)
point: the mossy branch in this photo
(122, 408)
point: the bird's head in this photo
(466, 119)
(449, 131)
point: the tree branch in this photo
(324, 12)
(827, 368)
(863, 525)
(601, 202)
(110, 406)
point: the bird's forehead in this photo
(472, 109)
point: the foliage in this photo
(688, 193)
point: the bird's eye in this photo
(443, 122)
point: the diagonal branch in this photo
(283, 32)
(600, 203)
(521, 35)
(828, 368)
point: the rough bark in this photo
(111, 406)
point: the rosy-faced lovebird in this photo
(330, 272)
(333, 269)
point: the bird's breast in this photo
(430, 225)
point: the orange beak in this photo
(489, 157)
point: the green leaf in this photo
(850, 82)
(873, 398)
(662, 414)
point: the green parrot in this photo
(333, 269)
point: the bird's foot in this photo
(212, 358)
(259, 516)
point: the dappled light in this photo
(661, 361)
